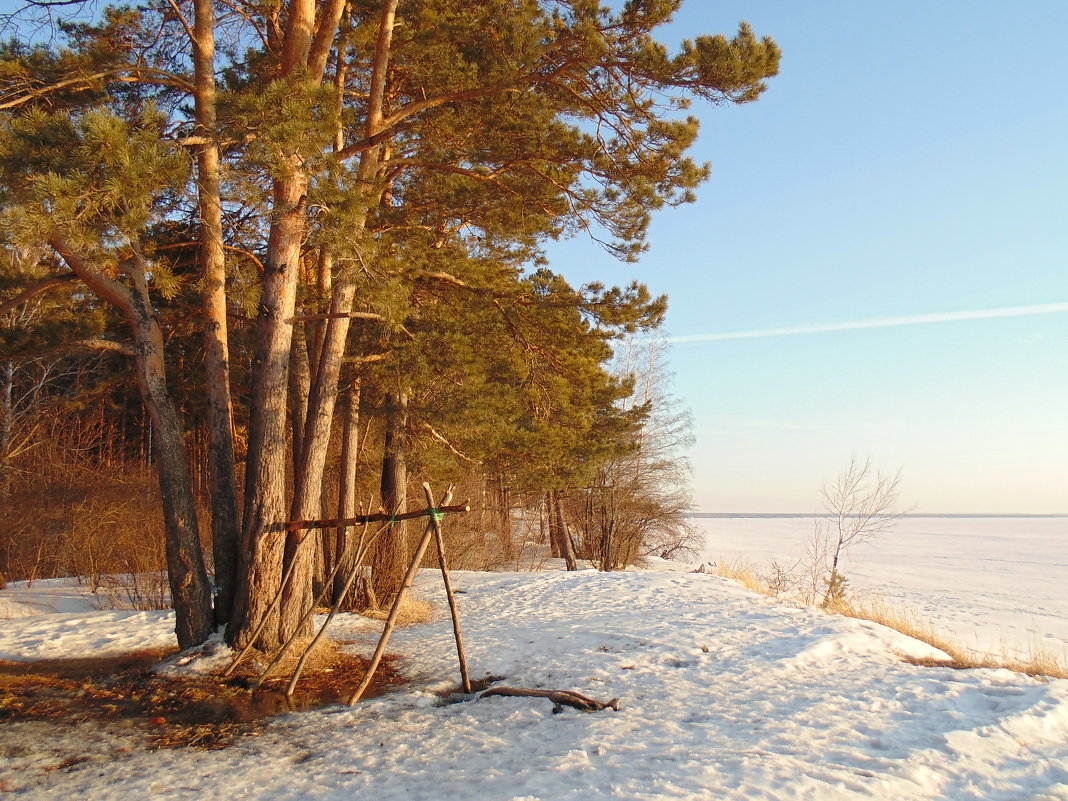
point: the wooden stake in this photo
(334, 608)
(464, 677)
(391, 620)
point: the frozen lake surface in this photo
(996, 584)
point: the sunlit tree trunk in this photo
(344, 545)
(305, 51)
(392, 547)
(186, 572)
(221, 461)
(307, 500)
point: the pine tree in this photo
(87, 186)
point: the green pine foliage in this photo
(507, 124)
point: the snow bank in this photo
(725, 695)
(995, 585)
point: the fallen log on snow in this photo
(559, 697)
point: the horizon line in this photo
(876, 322)
(905, 515)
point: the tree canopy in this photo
(359, 193)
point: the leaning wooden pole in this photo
(339, 596)
(275, 603)
(391, 620)
(435, 522)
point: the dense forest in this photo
(264, 262)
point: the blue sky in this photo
(911, 159)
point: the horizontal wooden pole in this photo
(379, 517)
(337, 316)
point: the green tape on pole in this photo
(437, 514)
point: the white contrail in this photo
(882, 322)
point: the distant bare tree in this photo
(641, 501)
(861, 503)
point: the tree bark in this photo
(344, 547)
(304, 56)
(392, 547)
(263, 531)
(297, 596)
(190, 590)
(221, 460)
(566, 550)
(299, 389)
(186, 572)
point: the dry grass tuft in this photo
(413, 611)
(327, 654)
(745, 574)
(1039, 662)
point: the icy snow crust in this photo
(725, 694)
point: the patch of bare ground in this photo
(197, 711)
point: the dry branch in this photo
(558, 697)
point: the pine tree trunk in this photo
(344, 541)
(221, 461)
(190, 590)
(392, 547)
(566, 550)
(305, 51)
(263, 531)
(307, 500)
(187, 575)
(299, 389)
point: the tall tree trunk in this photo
(555, 548)
(190, 590)
(297, 597)
(344, 541)
(299, 389)
(392, 548)
(7, 421)
(305, 52)
(187, 575)
(221, 461)
(566, 549)
(263, 530)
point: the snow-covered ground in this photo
(994, 584)
(725, 695)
